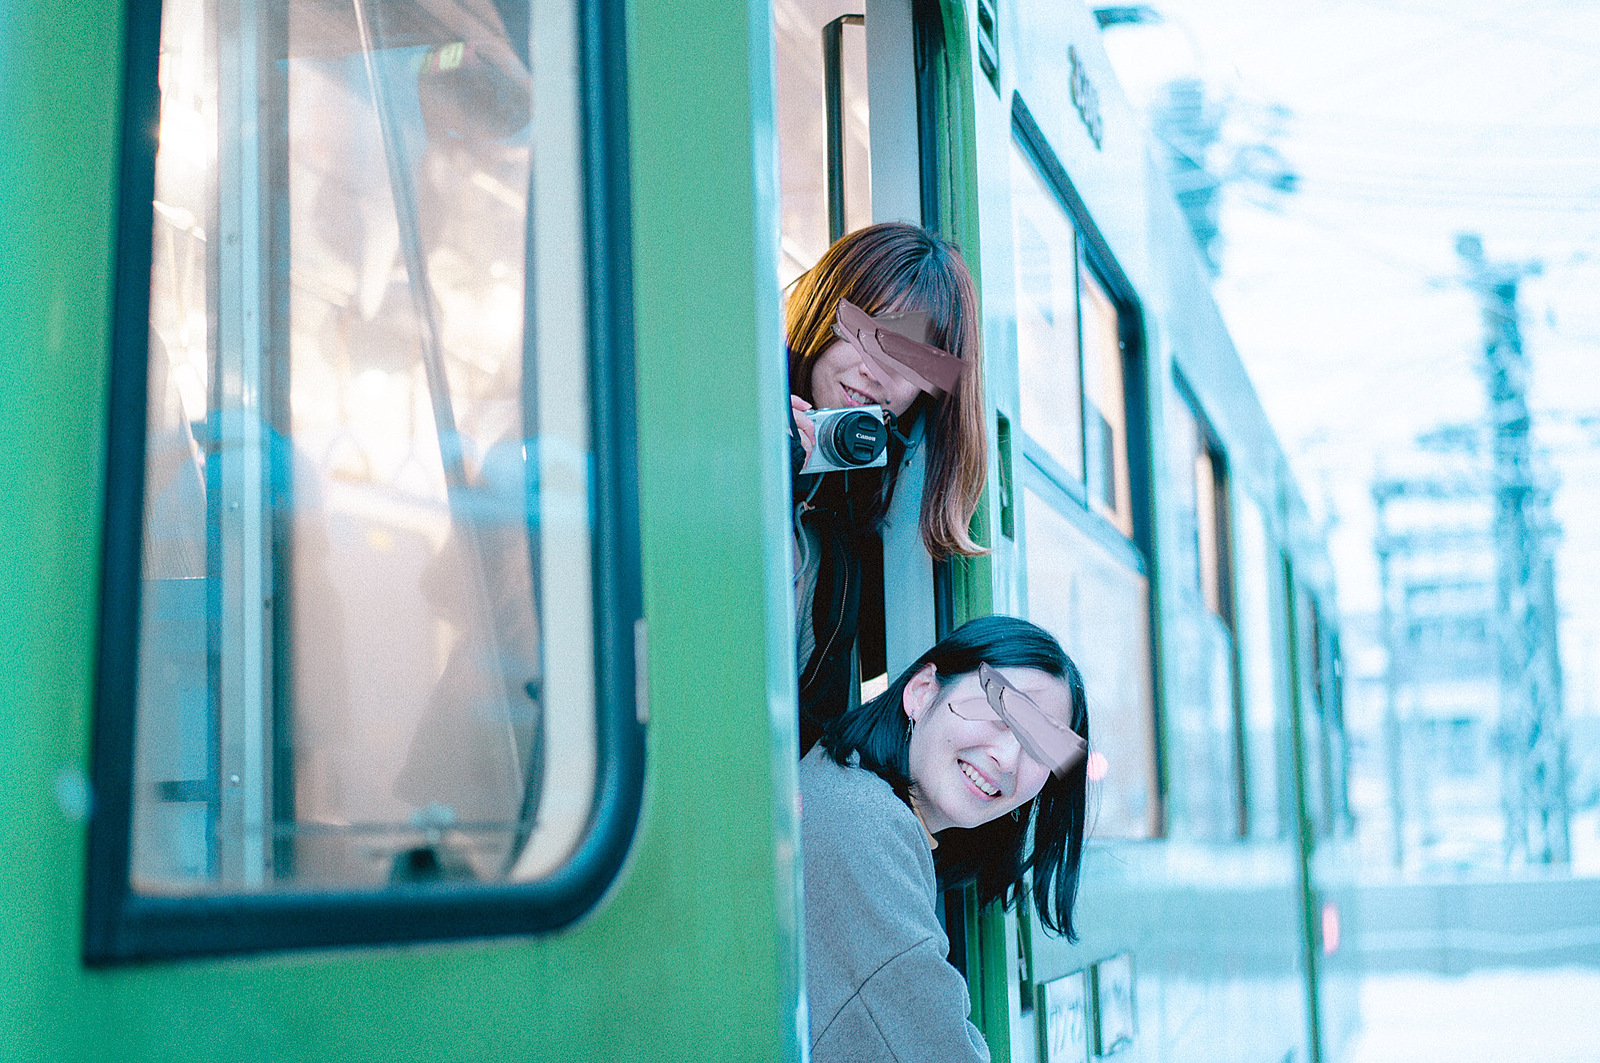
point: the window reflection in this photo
(1261, 647)
(1086, 575)
(798, 26)
(1048, 366)
(1105, 406)
(367, 481)
(1326, 756)
(1208, 774)
(1099, 609)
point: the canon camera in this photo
(856, 437)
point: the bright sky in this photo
(1410, 122)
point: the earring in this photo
(1016, 815)
(910, 723)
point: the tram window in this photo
(825, 192)
(1262, 679)
(1314, 732)
(1087, 569)
(1327, 744)
(1048, 358)
(1070, 356)
(1208, 791)
(370, 640)
(1083, 590)
(1105, 404)
(1339, 737)
(1211, 530)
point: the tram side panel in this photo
(708, 895)
(1276, 678)
(1264, 520)
(54, 235)
(1203, 897)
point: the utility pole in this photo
(1534, 783)
(1436, 617)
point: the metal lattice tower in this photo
(1434, 546)
(1535, 772)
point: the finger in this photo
(808, 431)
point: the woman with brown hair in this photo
(900, 273)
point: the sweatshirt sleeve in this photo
(874, 944)
(797, 453)
(919, 1004)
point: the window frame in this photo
(1068, 495)
(1094, 254)
(1209, 445)
(121, 925)
(1268, 765)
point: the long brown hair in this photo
(895, 266)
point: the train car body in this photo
(400, 651)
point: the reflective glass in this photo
(366, 646)
(1261, 645)
(1182, 430)
(1314, 738)
(1211, 513)
(1099, 609)
(1047, 319)
(1105, 406)
(803, 128)
(1207, 788)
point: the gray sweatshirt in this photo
(878, 986)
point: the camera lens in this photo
(856, 438)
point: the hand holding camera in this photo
(802, 423)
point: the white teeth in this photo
(977, 780)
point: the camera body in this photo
(854, 437)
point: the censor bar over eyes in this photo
(1045, 738)
(883, 345)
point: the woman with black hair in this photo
(969, 768)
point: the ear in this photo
(920, 692)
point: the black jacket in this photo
(847, 605)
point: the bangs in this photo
(933, 289)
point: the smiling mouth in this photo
(977, 780)
(857, 398)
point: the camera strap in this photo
(908, 441)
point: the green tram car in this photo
(400, 657)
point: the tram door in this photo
(848, 157)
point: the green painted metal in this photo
(1156, 378)
(710, 898)
(1305, 830)
(55, 195)
(955, 116)
(988, 955)
(970, 580)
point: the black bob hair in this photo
(996, 854)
